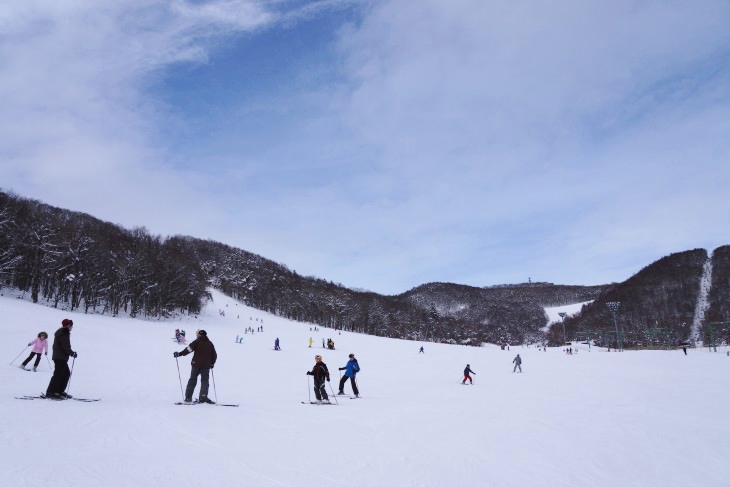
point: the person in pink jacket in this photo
(40, 345)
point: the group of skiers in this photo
(61, 352)
(203, 361)
(518, 366)
(321, 374)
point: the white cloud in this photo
(471, 141)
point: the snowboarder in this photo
(351, 369)
(61, 352)
(518, 363)
(40, 345)
(204, 357)
(320, 373)
(468, 370)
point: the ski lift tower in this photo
(712, 329)
(562, 316)
(613, 306)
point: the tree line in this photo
(74, 261)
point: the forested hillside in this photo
(511, 313)
(74, 261)
(656, 305)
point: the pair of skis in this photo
(194, 403)
(43, 396)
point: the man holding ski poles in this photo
(204, 357)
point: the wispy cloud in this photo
(471, 141)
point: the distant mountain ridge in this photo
(74, 261)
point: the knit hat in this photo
(202, 333)
(67, 322)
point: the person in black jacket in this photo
(61, 352)
(468, 370)
(320, 373)
(204, 357)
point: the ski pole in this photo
(49, 362)
(215, 393)
(180, 378)
(21, 353)
(309, 392)
(333, 392)
(70, 374)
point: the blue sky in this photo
(381, 144)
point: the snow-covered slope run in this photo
(589, 419)
(702, 301)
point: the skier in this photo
(310, 340)
(518, 363)
(468, 370)
(204, 357)
(276, 344)
(40, 345)
(421, 350)
(351, 369)
(61, 352)
(320, 373)
(179, 336)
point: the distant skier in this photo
(518, 363)
(40, 345)
(204, 357)
(320, 373)
(467, 371)
(310, 341)
(276, 344)
(351, 369)
(62, 351)
(421, 350)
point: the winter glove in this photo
(309, 372)
(74, 354)
(175, 354)
(30, 344)
(212, 365)
(46, 354)
(342, 368)
(328, 379)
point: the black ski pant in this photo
(196, 371)
(320, 392)
(61, 375)
(38, 359)
(343, 381)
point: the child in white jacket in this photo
(40, 345)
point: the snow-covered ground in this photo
(553, 313)
(654, 418)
